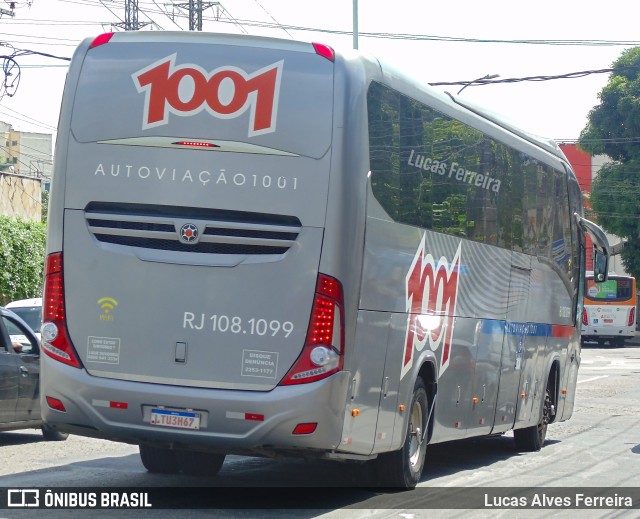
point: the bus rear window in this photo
(611, 290)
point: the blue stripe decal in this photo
(517, 329)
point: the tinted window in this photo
(20, 339)
(435, 172)
(32, 315)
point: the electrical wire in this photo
(569, 75)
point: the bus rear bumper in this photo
(594, 333)
(231, 421)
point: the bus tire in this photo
(403, 468)
(159, 459)
(199, 463)
(51, 435)
(531, 439)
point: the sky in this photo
(419, 43)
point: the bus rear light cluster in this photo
(322, 354)
(632, 317)
(101, 40)
(325, 51)
(55, 338)
(585, 319)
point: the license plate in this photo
(176, 419)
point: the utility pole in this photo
(196, 7)
(6, 12)
(355, 24)
(131, 17)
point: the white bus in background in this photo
(609, 313)
(264, 247)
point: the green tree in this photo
(22, 250)
(613, 129)
(45, 205)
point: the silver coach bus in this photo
(262, 247)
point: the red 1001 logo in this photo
(225, 92)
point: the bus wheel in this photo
(51, 435)
(531, 439)
(159, 459)
(403, 468)
(199, 463)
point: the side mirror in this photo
(601, 248)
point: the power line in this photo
(271, 16)
(25, 118)
(569, 75)
(381, 35)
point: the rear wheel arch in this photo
(553, 384)
(428, 374)
(532, 438)
(402, 468)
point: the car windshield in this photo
(32, 315)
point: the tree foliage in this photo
(22, 250)
(45, 206)
(613, 129)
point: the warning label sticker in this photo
(259, 364)
(103, 349)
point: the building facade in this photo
(26, 165)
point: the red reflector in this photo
(325, 51)
(253, 416)
(56, 404)
(101, 40)
(118, 405)
(305, 428)
(195, 144)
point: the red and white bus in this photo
(609, 312)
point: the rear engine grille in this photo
(219, 231)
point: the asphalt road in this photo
(635, 341)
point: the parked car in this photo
(20, 377)
(30, 311)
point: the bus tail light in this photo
(585, 319)
(325, 51)
(323, 351)
(101, 40)
(632, 317)
(55, 338)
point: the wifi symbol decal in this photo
(107, 304)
